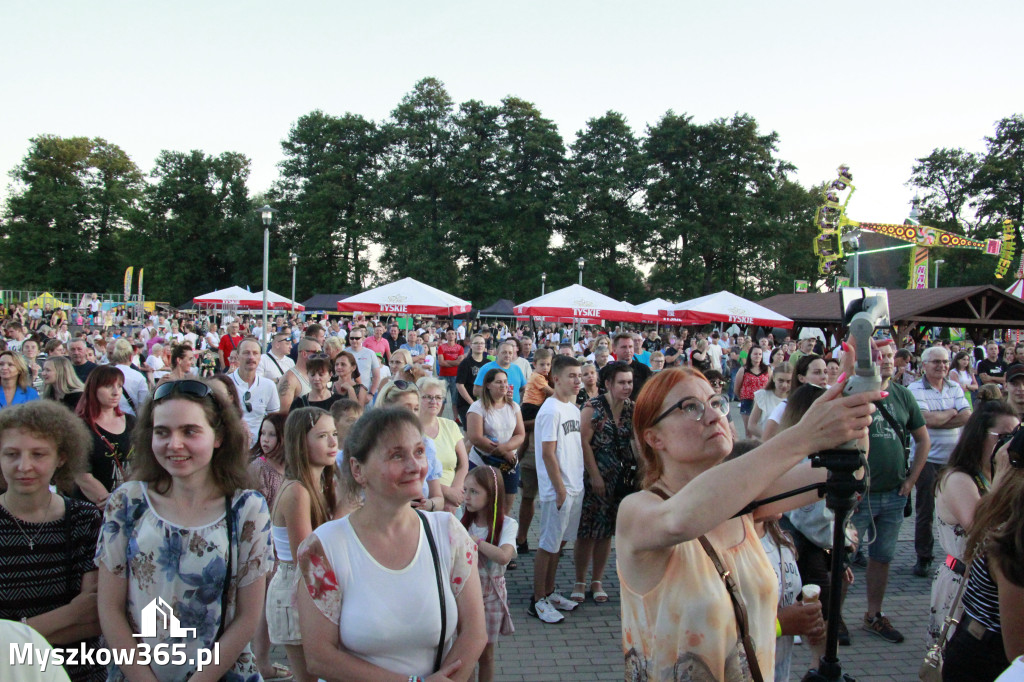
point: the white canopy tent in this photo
(726, 308)
(238, 298)
(405, 297)
(578, 303)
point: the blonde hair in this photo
(21, 366)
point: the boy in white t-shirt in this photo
(559, 453)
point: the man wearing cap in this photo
(1015, 389)
(276, 362)
(945, 410)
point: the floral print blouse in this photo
(185, 568)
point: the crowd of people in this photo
(311, 492)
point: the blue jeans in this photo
(886, 511)
(452, 392)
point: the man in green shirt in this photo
(879, 515)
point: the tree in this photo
(473, 200)
(62, 229)
(1000, 178)
(530, 168)
(946, 179)
(327, 196)
(605, 181)
(712, 194)
(417, 224)
(202, 232)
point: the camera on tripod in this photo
(864, 311)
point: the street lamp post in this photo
(937, 264)
(580, 262)
(543, 282)
(294, 260)
(267, 214)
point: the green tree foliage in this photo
(64, 227)
(201, 232)
(605, 224)
(327, 201)
(530, 169)
(999, 181)
(712, 197)
(417, 223)
(473, 200)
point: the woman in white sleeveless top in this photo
(368, 600)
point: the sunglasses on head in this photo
(190, 387)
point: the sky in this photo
(875, 85)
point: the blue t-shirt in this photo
(515, 377)
(434, 469)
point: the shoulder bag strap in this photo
(901, 431)
(953, 617)
(131, 403)
(230, 522)
(276, 363)
(737, 606)
(440, 589)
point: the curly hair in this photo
(51, 421)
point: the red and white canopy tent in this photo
(239, 298)
(405, 297)
(578, 303)
(726, 308)
(650, 312)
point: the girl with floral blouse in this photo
(185, 534)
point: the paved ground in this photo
(587, 645)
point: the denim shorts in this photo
(747, 406)
(886, 512)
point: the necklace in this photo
(31, 540)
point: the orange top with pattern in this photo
(685, 627)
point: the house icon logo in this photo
(160, 610)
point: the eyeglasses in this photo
(694, 408)
(185, 386)
(938, 362)
(355, 338)
(403, 385)
(434, 398)
(319, 356)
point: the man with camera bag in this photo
(879, 514)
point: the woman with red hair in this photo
(677, 537)
(111, 431)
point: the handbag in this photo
(931, 667)
(440, 590)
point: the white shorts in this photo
(559, 525)
(282, 614)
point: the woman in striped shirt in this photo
(991, 630)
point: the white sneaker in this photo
(561, 603)
(545, 612)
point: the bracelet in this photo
(414, 678)
(778, 628)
